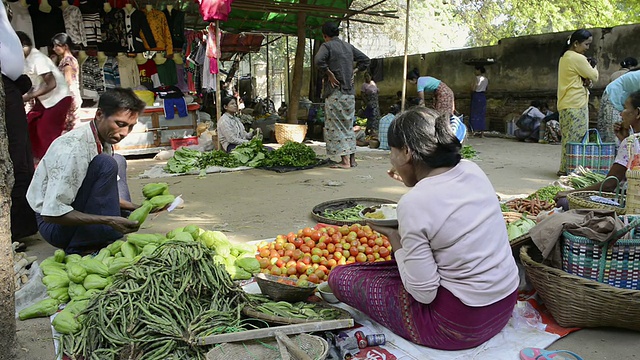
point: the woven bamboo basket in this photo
(290, 132)
(632, 205)
(278, 291)
(580, 200)
(316, 348)
(577, 302)
(340, 204)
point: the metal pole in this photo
(406, 49)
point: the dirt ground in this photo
(259, 204)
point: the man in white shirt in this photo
(79, 188)
(47, 117)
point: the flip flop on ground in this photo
(541, 354)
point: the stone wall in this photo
(525, 70)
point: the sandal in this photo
(541, 354)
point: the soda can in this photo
(362, 340)
(376, 339)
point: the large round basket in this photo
(270, 286)
(316, 348)
(318, 210)
(577, 302)
(580, 200)
(290, 132)
(273, 319)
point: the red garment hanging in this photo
(212, 10)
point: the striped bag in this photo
(597, 156)
(615, 261)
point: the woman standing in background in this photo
(372, 110)
(479, 101)
(68, 65)
(575, 75)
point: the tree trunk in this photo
(7, 300)
(296, 83)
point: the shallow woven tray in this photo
(250, 312)
(316, 347)
(580, 200)
(578, 302)
(270, 286)
(340, 204)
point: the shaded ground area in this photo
(259, 204)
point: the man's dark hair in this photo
(330, 29)
(25, 40)
(115, 100)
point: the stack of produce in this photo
(582, 177)
(251, 154)
(529, 206)
(21, 265)
(311, 253)
(157, 197)
(517, 225)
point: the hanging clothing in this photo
(92, 78)
(167, 73)
(213, 52)
(175, 20)
(45, 25)
(90, 10)
(73, 23)
(21, 20)
(139, 35)
(160, 29)
(181, 75)
(212, 10)
(111, 71)
(149, 75)
(114, 35)
(128, 70)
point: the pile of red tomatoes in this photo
(312, 253)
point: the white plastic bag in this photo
(524, 315)
(31, 292)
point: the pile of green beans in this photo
(157, 308)
(348, 214)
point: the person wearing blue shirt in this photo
(612, 103)
(383, 127)
(443, 97)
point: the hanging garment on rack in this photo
(21, 20)
(90, 10)
(182, 80)
(129, 74)
(45, 25)
(92, 79)
(111, 70)
(139, 35)
(73, 23)
(212, 10)
(167, 73)
(175, 19)
(160, 29)
(114, 35)
(149, 75)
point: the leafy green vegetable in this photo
(547, 193)
(468, 152)
(292, 154)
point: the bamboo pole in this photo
(267, 71)
(288, 91)
(406, 49)
(298, 65)
(215, 78)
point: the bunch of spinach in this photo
(183, 160)
(291, 154)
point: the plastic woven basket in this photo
(316, 348)
(318, 210)
(577, 302)
(290, 132)
(580, 200)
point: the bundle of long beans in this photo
(156, 308)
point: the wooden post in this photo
(288, 89)
(218, 89)
(267, 72)
(406, 49)
(298, 65)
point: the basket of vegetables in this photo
(345, 211)
(284, 289)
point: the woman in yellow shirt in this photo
(575, 75)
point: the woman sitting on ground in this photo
(630, 119)
(231, 132)
(453, 284)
